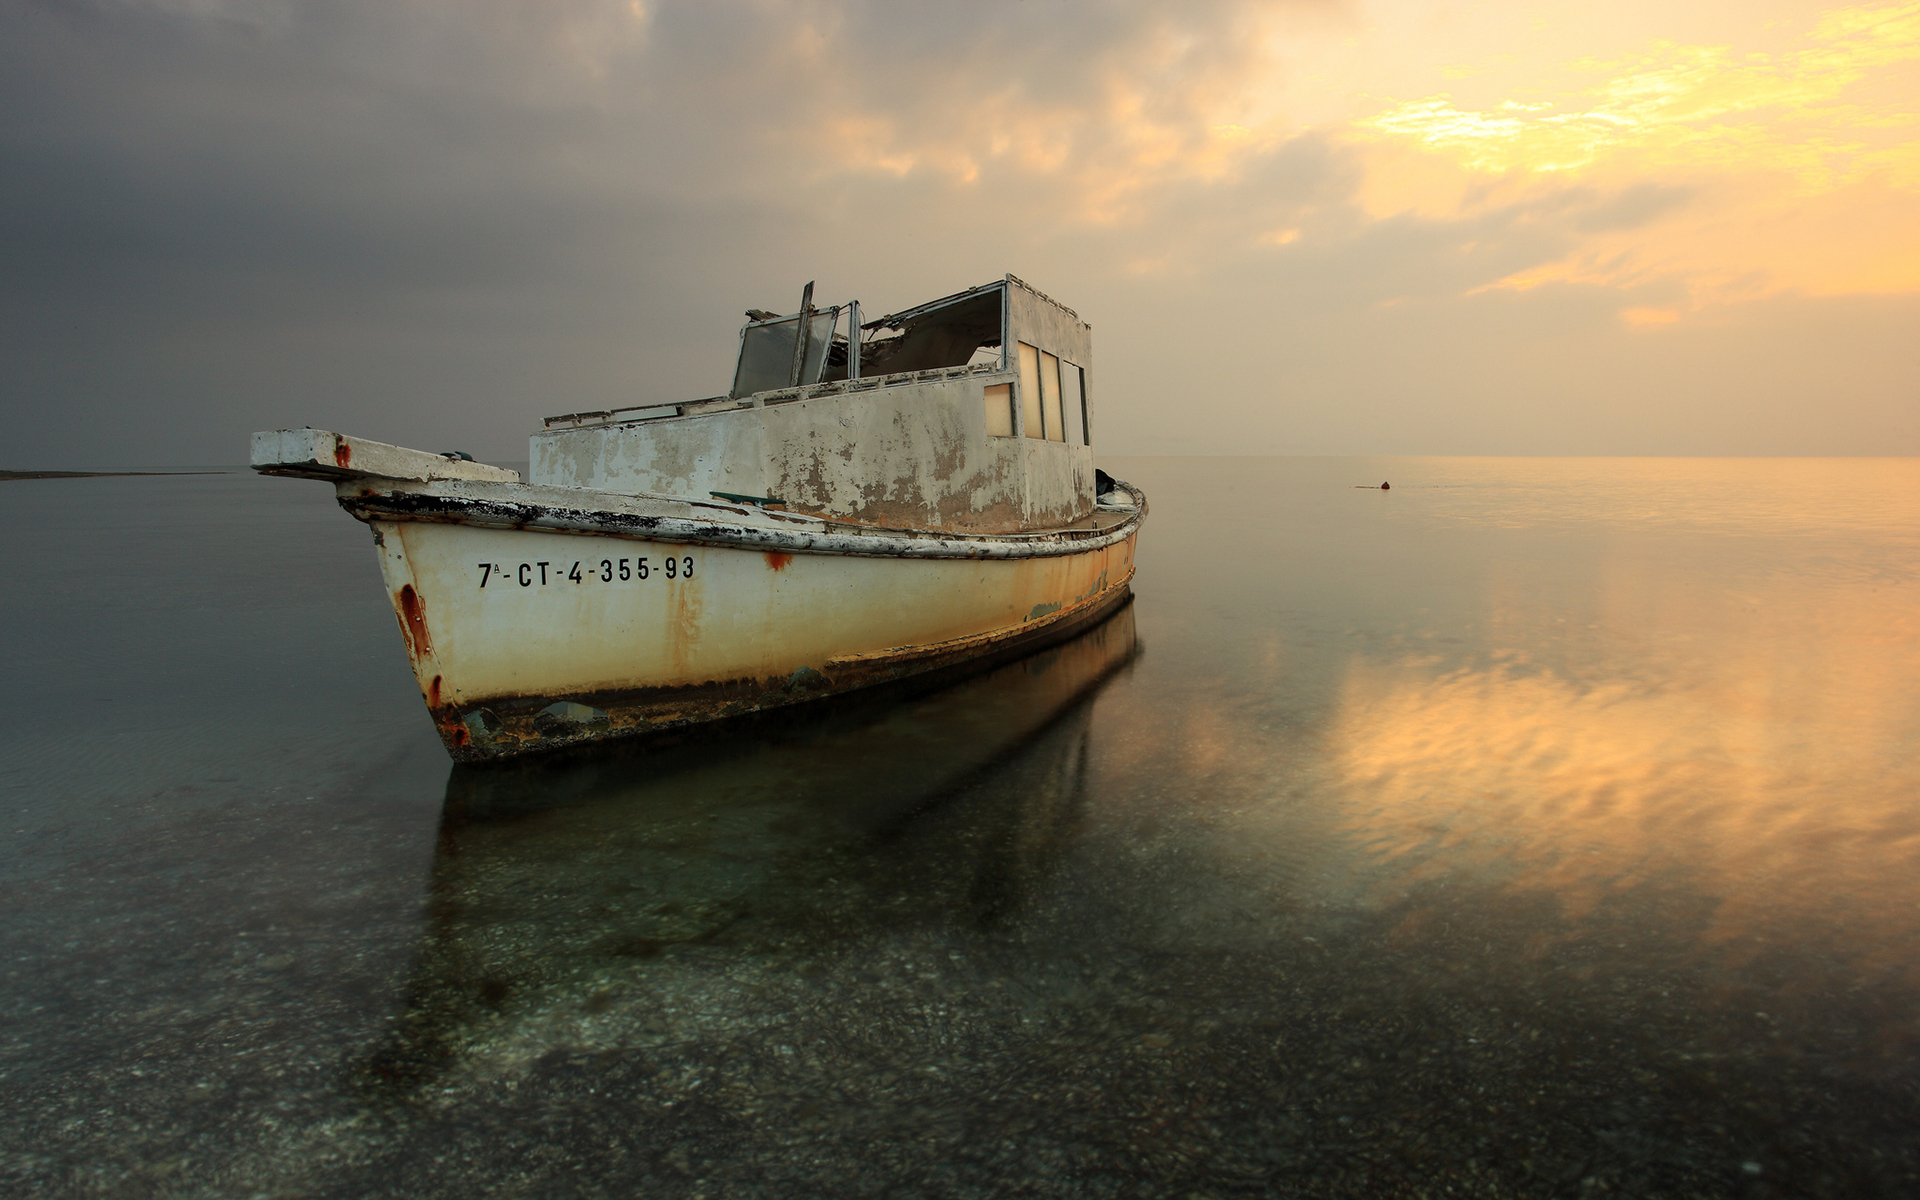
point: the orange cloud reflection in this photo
(1757, 746)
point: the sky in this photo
(1687, 227)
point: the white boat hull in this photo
(525, 638)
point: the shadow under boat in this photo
(581, 901)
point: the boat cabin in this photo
(970, 413)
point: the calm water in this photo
(1536, 828)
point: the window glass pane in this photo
(766, 353)
(1030, 391)
(766, 357)
(1000, 410)
(1070, 400)
(1050, 397)
(817, 344)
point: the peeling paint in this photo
(570, 510)
(913, 456)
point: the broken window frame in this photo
(822, 332)
(1074, 401)
(875, 352)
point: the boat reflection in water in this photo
(631, 897)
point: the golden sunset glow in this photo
(1795, 171)
(1683, 173)
(1703, 106)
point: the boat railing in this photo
(688, 408)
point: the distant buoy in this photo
(1386, 487)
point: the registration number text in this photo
(607, 570)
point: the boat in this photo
(909, 497)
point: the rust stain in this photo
(686, 611)
(433, 693)
(342, 453)
(778, 559)
(413, 621)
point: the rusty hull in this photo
(557, 639)
(513, 725)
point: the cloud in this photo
(412, 147)
(1802, 168)
(402, 216)
(1694, 104)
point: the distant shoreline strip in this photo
(96, 474)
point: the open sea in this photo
(1538, 827)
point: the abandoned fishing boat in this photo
(868, 502)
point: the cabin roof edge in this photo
(1015, 279)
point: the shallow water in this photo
(1536, 827)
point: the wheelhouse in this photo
(970, 412)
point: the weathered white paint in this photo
(322, 454)
(914, 455)
(1040, 321)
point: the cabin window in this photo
(1073, 399)
(1000, 410)
(1050, 398)
(767, 352)
(1030, 407)
(1053, 397)
(949, 332)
